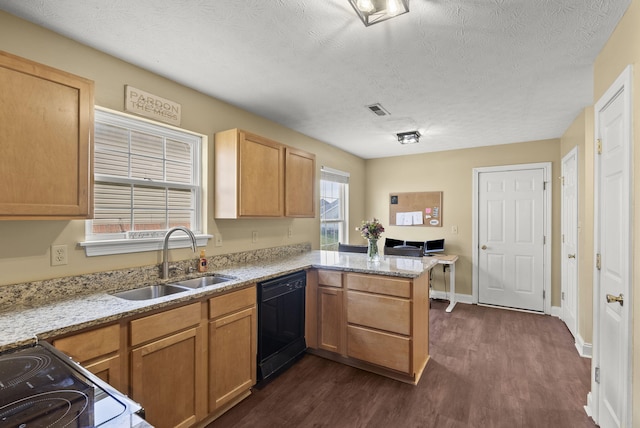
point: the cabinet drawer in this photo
(384, 349)
(330, 278)
(380, 312)
(232, 302)
(389, 285)
(164, 323)
(90, 344)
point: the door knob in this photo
(571, 256)
(484, 247)
(611, 299)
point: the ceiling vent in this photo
(378, 110)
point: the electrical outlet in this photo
(454, 230)
(290, 232)
(254, 237)
(58, 255)
(218, 240)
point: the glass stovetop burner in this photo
(41, 387)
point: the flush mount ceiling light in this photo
(411, 137)
(374, 11)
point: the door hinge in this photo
(599, 146)
(597, 374)
(562, 295)
(544, 294)
(563, 238)
(598, 261)
(562, 180)
(544, 240)
(544, 185)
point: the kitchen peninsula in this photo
(379, 322)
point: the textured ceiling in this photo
(466, 73)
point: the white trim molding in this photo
(460, 298)
(124, 246)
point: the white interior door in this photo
(569, 253)
(613, 256)
(511, 238)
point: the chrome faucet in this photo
(165, 248)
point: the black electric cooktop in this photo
(41, 387)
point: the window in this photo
(334, 210)
(147, 179)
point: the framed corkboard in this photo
(415, 209)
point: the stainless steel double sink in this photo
(160, 290)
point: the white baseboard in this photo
(460, 298)
(584, 349)
(588, 408)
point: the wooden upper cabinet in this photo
(258, 177)
(46, 141)
(249, 175)
(300, 184)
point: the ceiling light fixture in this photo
(374, 11)
(411, 137)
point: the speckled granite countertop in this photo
(24, 317)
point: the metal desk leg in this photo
(452, 288)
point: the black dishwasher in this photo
(281, 305)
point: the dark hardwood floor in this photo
(489, 368)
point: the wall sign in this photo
(152, 106)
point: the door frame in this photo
(546, 258)
(621, 84)
(563, 257)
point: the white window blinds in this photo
(147, 178)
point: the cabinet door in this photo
(98, 351)
(261, 175)
(331, 325)
(167, 379)
(232, 357)
(107, 369)
(300, 185)
(46, 139)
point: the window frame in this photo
(343, 234)
(122, 243)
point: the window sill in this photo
(125, 246)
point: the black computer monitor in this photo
(434, 246)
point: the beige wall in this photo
(622, 49)
(25, 245)
(580, 135)
(451, 173)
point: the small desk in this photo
(444, 259)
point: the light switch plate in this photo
(218, 240)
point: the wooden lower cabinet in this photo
(98, 351)
(168, 366)
(185, 365)
(232, 347)
(374, 322)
